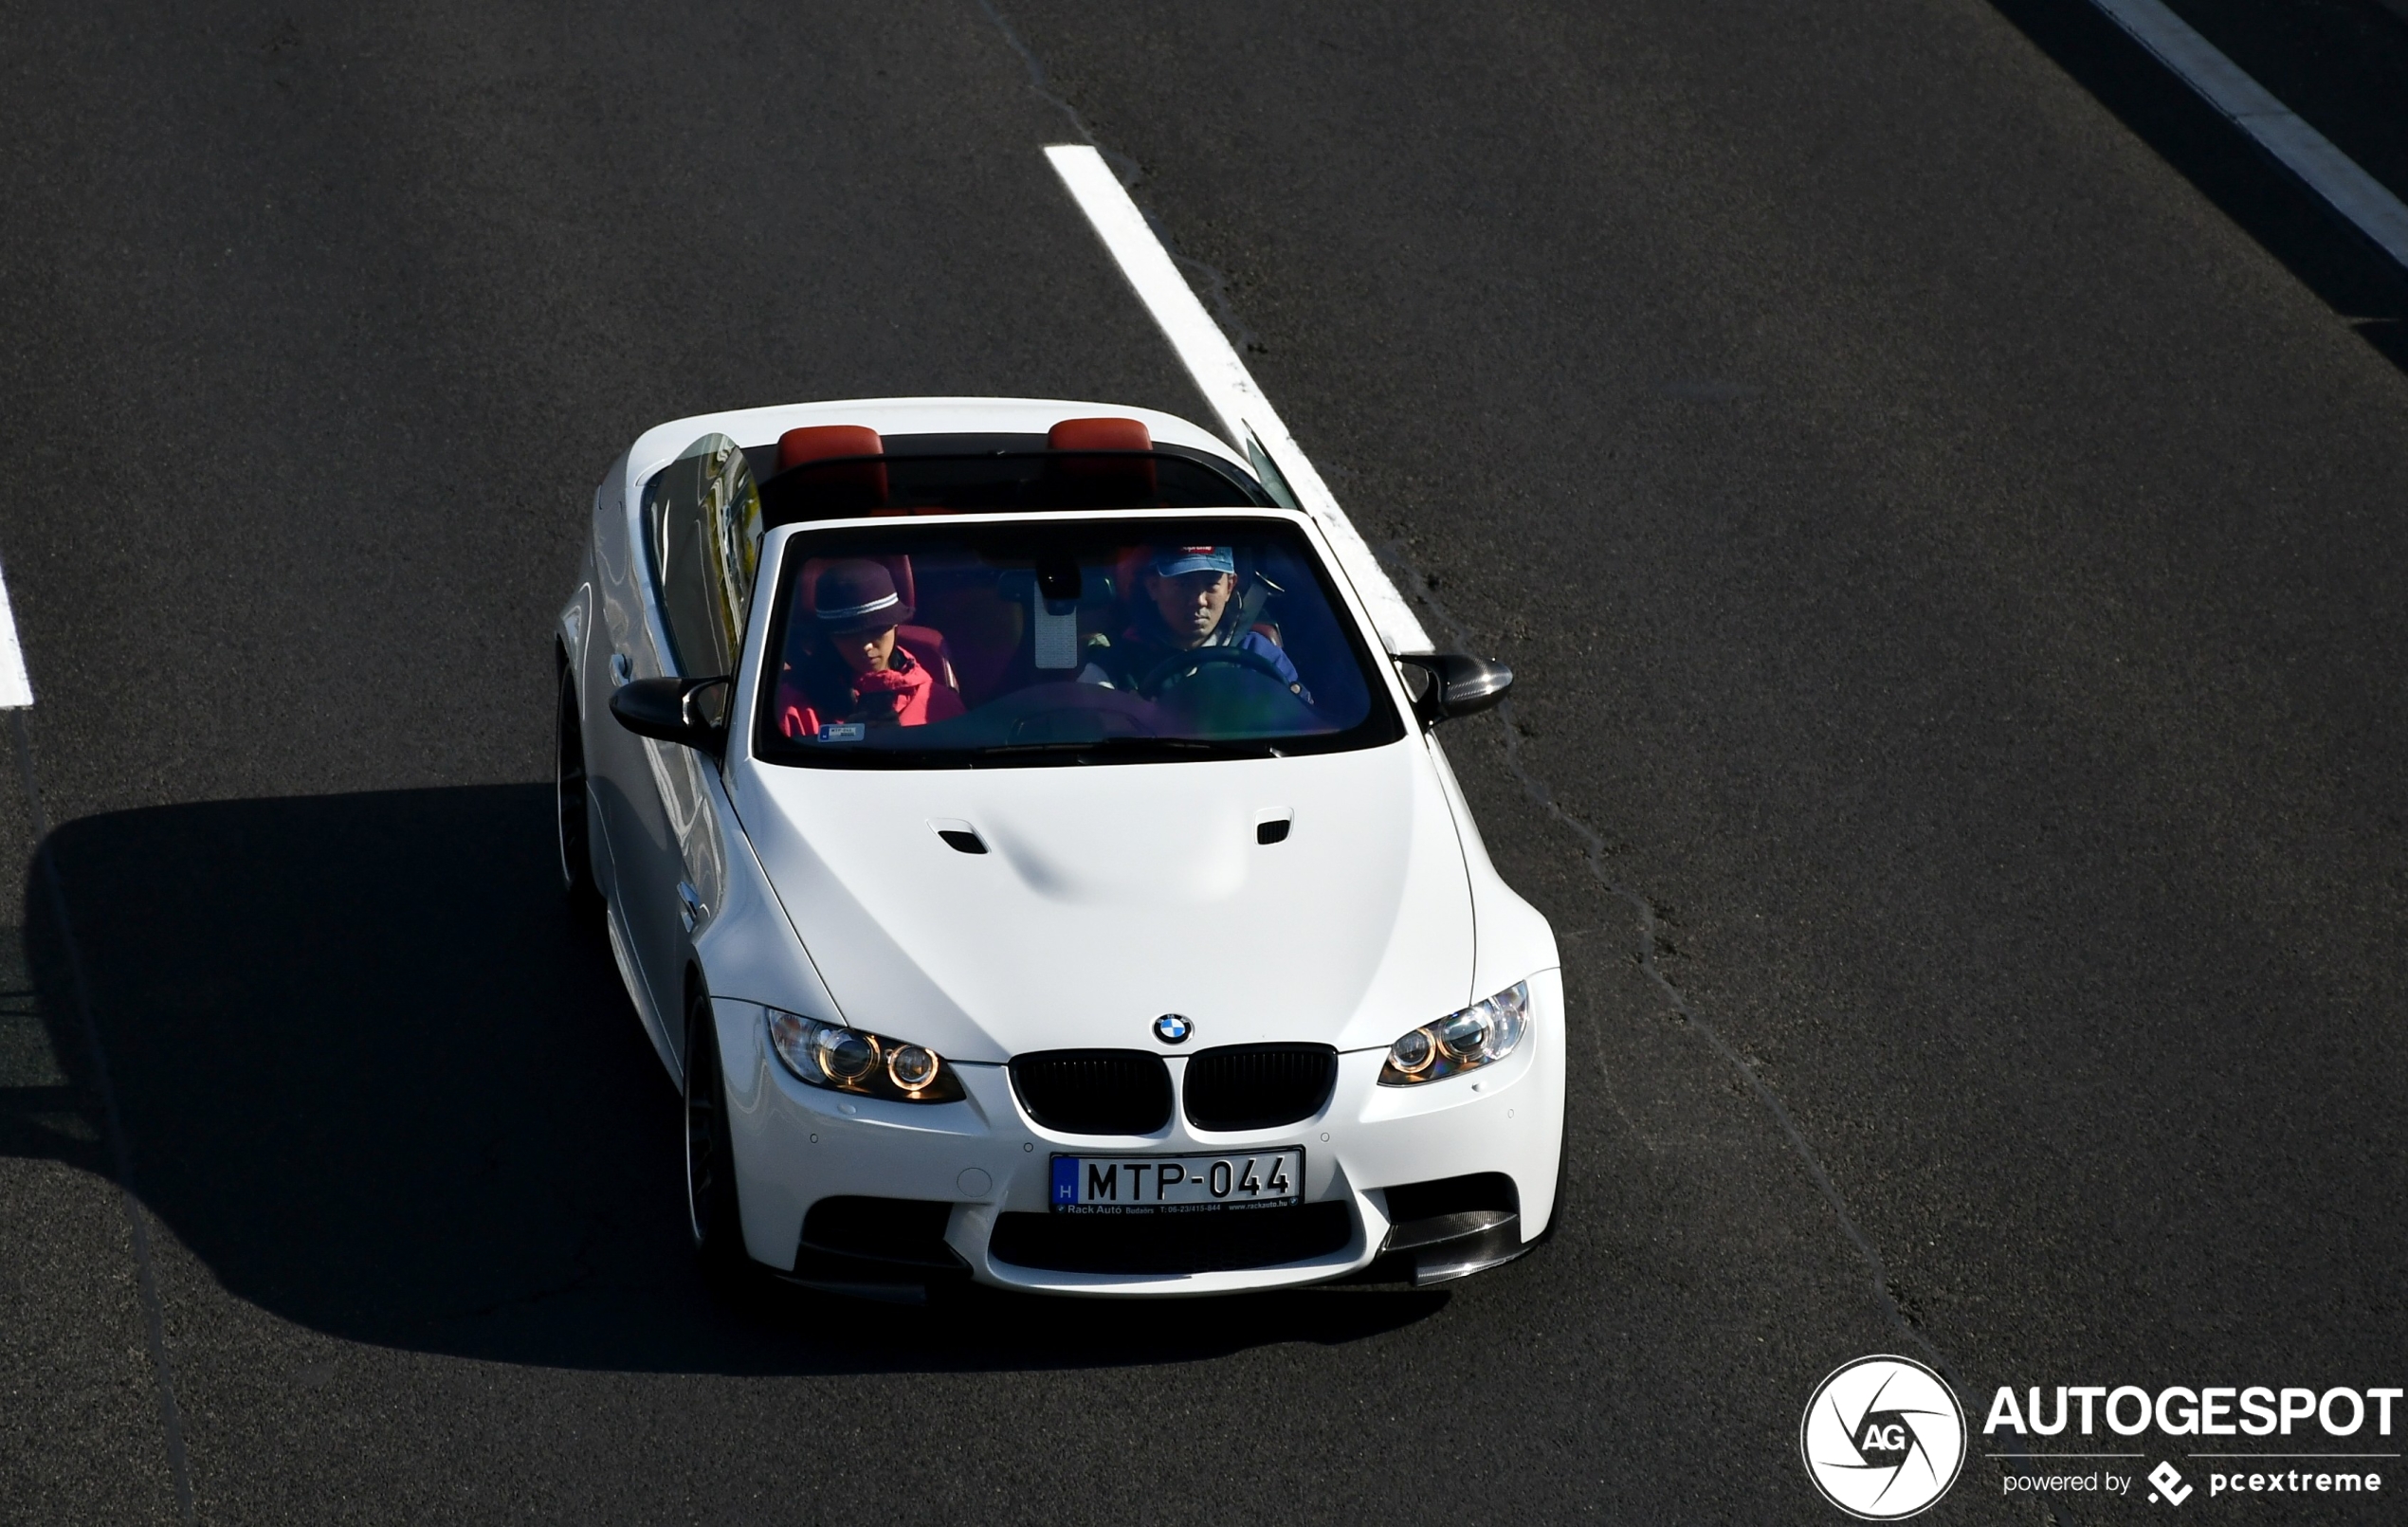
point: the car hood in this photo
(1113, 894)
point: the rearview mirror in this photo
(674, 710)
(1455, 684)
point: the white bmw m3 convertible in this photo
(1024, 853)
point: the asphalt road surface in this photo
(1943, 501)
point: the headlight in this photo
(849, 1060)
(1460, 1041)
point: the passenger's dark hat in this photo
(857, 595)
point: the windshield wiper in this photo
(1125, 747)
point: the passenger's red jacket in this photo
(904, 693)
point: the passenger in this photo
(1182, 602)
(856, 675)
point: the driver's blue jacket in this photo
(1135, 653)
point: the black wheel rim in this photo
(567, 791)
(705, 1156)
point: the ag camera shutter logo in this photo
(1883, 1438)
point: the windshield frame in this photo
(789, 547)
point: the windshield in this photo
(1087, 641)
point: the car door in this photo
(701, 528)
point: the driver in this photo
(856, 675)
(1182, 603)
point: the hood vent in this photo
(1094, 1092)
(1258, 1087)
(960, 836)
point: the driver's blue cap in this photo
(1172, 561)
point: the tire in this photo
(712, 1209)
(570, 796)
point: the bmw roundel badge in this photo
(1171, 1028)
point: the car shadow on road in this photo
(378, 1080)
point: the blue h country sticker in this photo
(1065, 1179)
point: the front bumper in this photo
(985, 1158)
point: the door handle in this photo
(690, 909)
(621, 670)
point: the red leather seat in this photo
(820, 443)
(926, 642)
(1098, 434)
(1085, 480)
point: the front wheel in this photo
(711, 1207)
(569, 799)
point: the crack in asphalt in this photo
(1651, 923)
(1650, 916)
(1565, 939)
(1131, 174)
(1651, 942)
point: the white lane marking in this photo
(16, 688)
(2252, 108)
(1246, 416)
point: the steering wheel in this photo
(1182, 666)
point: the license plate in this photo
(1177, 1184)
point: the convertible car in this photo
(1033, 866)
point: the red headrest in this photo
(1126, 569)
(1084, 479)
(820, 442)
(1098, 434)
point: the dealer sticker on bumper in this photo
(1177, 1184)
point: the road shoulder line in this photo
(1246, 416)
(16, 686)
(1224, 382)
(2281, 132)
